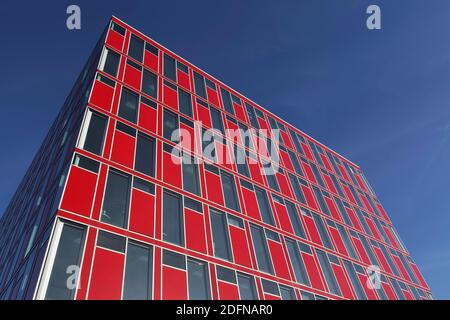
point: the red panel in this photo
(389, 292)
(115, 39)
(102, 95)
(286, 139)
(344, 172)
(240, 247)
(212, 96)
(79, 192)
(183, 79)
(338, 241)
(408, 295)
(400, 267)
(361, 182)
(284, 185)
(373, 228)
(170, 97)
(132, 77)
(174, 286)
(286, 160)
(263, 124)
(307, 151)
(187, 137)
(86, 266)
(308, 172)
(195, 231)
(326, 162)
(391, 237)
(214, 187)
(142, 213)
(171, 169)
(342, 280)
(310, 200)
(106, 279)
(371, 295)
(366, 203)
(250, 203)
(334, 211)
(362, 253)
(313, 271)
(261, 147)
(418, 274)
(239, 112)
(279, 260)
(382, 259)
(329, 183)
(147, 117)
(150, 60)
(353, 219)
(271, 297)
(123, 149)
(228, 291)
(255, 171)
(312, 230)
(283, 217)
(223, 155)
(204, 116)
(383, 213)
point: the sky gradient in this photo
(379, 98)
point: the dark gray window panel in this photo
(216, 117)
(261, 249)
(297, 262)
(226, 101)
(116, 201)
(198, 280)
(264, 206)
(328, 272)
(184, 102)
(295, 220)
(138, 273)
(145, 155)
(357, 288)
(136, 49)
(287, 293)
(247, 287)
(190, 176)
(95, 134)
(150, 84)
(322, 231)
(169, 68)
(173, 222)
(170, 124)
(221, 238)
(68, 253)
(229, 191)
(111, 241)
(128, 105)
(199, 83)
(111, 62)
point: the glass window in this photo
(117, 28)
(216, 117)
(198, 279)
(226, 101)
(150, 84)
(116, 202)
(264, 207)
(261, 250)
(226, 274)
(68, 253)
(328, 272)
(128, 105)
(297, 262)
(184, 102)
(241, 161)
(295, 220)
(296, 188)
(136, 49)
(169, 67)
(321, 201)
(272, 181)
(252, 116)
(322, 231)
(307, 295)
(174, 259)
(109, 62)
(170, 124)
(247, 288)
(270, 287)
(199, 85)
(221, 239)
(173, 223)
(229, 191)
(145, 155)
(138, 273)
(111, 241)
(360, 294)
(93, 132)
(190, 175)
(287, 293)
(347, 243)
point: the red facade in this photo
(213, 230)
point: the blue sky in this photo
(380, 98)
